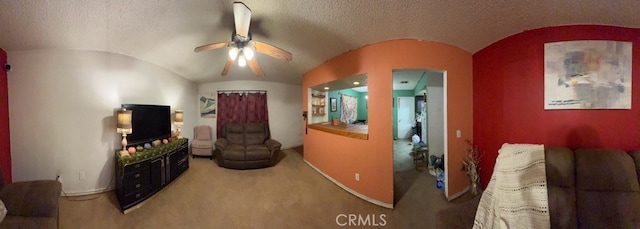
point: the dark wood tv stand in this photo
(140, 176)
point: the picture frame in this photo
(333, 102)
(587, 75)
(207, 106)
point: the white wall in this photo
(435, 115)
(283, 103)
(312, 118)
(61, 111)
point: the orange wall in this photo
(341, 157)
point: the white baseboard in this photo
(290, 147)
(361, 196)
(449, 198)
(88, 192)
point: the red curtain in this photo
(241, 108)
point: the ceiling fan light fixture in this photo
(233, 53)
(242, 61)
(248, 52)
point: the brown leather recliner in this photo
(30, 204)
(245, 146)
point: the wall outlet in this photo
(357, 177)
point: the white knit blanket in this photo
(516, 196)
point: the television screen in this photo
(148, 122)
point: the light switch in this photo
(458, 133)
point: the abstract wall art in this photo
(587, 74)
(207, 107)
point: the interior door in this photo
(406, 117)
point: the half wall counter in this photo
(357, 131)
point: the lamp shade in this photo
(178, 116)
(124, 119)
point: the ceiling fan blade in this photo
(255, 68)
(273, 51)
(226, 67)
(211, 46)
(242, 17)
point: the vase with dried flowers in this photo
(471, 165)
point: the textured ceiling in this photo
(166, 32)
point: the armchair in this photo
(202, 145)
(246, 146)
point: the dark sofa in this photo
(587, 188)
(245, 146)
(30, 204)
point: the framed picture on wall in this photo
(207, 106)
(334, 104)
(587, 74)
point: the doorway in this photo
(431, 116)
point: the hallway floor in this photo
(402, 160)
(405, 174)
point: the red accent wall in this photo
(508, 97)
(5, 143)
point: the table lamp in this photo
(178, 121)
(124, 126)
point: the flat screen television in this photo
(148, 122)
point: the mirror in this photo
(328, 100)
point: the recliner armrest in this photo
(272, 144)
(32, 198)
(221, 143)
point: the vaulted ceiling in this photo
(165, 32)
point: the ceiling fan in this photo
(242, 47)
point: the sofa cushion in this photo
(205, 144)
(234, 133)
(636, 159)
(605, 170)
(203, 132)
(255, 134)
(608, 191)
(258, 152)
(32, 198)
(561, 187)
(234, 153)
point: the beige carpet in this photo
(288, 195)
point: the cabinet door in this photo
(157, 173)
(177, 162)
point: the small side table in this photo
(419, 154)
